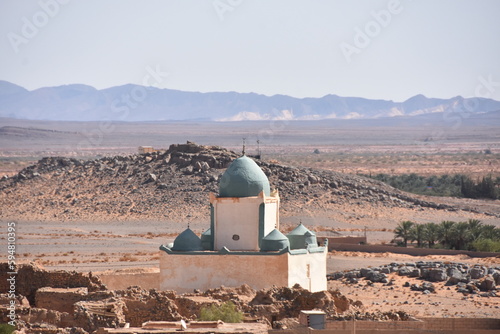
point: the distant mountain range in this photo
(138, 103)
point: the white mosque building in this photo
(243, 244)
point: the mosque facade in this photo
(243, 244)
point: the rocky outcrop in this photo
(173, 183)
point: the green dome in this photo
(187, 241)
(243, 178)
(299, 230)
(310, 238)
(300, 236)
(274, 241)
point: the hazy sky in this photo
(374, 49)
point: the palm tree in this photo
(475, 229)
(490, 232)
(461, 235)
(418, 234)
(474, 223)
(445, 232)
(403, 230)
(432, 235)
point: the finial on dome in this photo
(243, 151)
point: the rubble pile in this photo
(279, 303)
(283, 302)
(173, 183)
(90, 315)
(467, 279)
(85, 304)
(149, 305)
(31, 277)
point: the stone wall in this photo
(343, 240)
(422, 325)
(443, 325)
(121, 281)
(30, 278)
(61, 300)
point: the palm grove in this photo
(469, 235)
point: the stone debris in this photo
(375, 316)
(426, 286)
(467, 279)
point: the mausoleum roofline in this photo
(225, 251)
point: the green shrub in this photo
(6, 329)
(486, 245)
(445, 185)
(226, 312)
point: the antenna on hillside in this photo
(243, 152)
(258, 148)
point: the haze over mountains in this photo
(129, 102)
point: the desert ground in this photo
(393, 146)
(120, 252)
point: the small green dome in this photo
(243, 178)
(274, 241)
(187, 241)
(206, 240)
(299, 230)
(310, 238)
(300, 236)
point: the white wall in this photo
(184, 273)
(271, 218)
(238, 216)
(308, 270)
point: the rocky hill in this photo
(174, 185)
